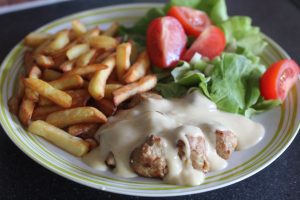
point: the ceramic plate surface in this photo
(281, 123)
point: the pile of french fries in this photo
(75, 79)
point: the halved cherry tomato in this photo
(278, 79)
(193, 21)
(166, 41)
(210, 43)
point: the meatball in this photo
(198, 152)
(149, 160)
(226, 143)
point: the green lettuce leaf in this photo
(261, 106)
(252, 88)
(228, 86)
(240, 33)
(171, 89)
(189, 74)
(216, 10)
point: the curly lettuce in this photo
(240, 33)
(231, 81)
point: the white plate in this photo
(281, 124)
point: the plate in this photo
(281, 123)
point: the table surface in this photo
(22, 178)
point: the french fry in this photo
(144, 84)
(88, 77)
(86, 58)
(85, 85)
(86, 70)
(113, 78)
(45, 111)
(13, 105)
(79, 98)
(20, 89)
(62, 52)
(26, 110)
(123, 59)
(138, 69)
(106, 106)
(103, 42)
(97, 84)
(92, 143)
(43, 101)
(77, 115)
(59, 60)
(60, 40)
(109, 88)
(89, 34)
(35, 72)
(44, 61)
(67, 82)
(67, 65)
(14, 101)
(50, 75)
(102, 56)
(77, 50)
(44, 89)
(41, 117)
(28, 61)
(72, 35)
(83, 130)
(42, 48)
(35, 39)
(134, 51)
(78, 27)
(60, 138)
(112, 30)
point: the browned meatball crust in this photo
(226, 143)
(149, 160)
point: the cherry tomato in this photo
(166, 41)
(278, 79)
(193, 21)
(210, 43)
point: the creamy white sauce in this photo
(172, 120)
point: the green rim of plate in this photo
(34, 147)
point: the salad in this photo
(195, 44)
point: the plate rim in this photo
(28, 153)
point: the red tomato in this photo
(166, 41)
(193, 21)
(278, 79)
(210, 43)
